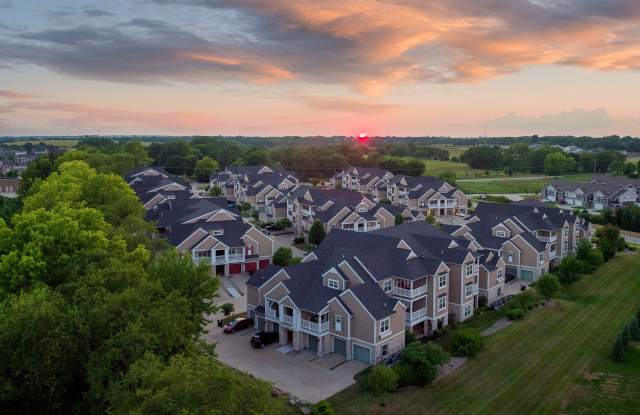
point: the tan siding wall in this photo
(265, 244)
(252, 296)
(332, 275)
(277, 293)
(361, 322)
(335, 309)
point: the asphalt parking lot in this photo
(304, 375)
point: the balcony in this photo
(415, 315)
(286, 319)
(270, 312)
(547, 238)
(410, 293)
(314, 327)
(236, 258)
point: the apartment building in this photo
(341, 209)
(601, 192)
(429, 195)
(260, 186)
(530, 237)
(361, 179)
(357, 292)
(206, 229)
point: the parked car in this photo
(264, 338)
(238, 324)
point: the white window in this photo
(510, 257)
(362, 209)
(500, 275)
(540, 257)
(333, 284)
(217, 232)
(468, 270)
(468, 290)
(442, 302)
(467, 311)
(387, 286)
(500, 233)
(442, 280)
(565, 232)
(385, 350)
(338, 323)
(385, 326)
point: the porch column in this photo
(320, 346)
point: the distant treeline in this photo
(180, 157)
(613, 142)
(546, 159)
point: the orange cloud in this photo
(253, 70)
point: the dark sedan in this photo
(264, 338)
(237, 325)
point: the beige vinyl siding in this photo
(361, 321)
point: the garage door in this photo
(526, 275)
(250, 266)
(361, 354)
(313, 344)
(339, 346)
(235, 268)
(264, 263)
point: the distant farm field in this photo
(553, 361)
(59, 143)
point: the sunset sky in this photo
(330, 67)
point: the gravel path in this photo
(497, 326)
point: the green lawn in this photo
(537, 365)
(505, 185)
(462, 170)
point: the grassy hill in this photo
(550, 362)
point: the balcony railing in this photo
(270, 312)
(236, 257)
(548, 238)
(314, 327)
(416, 314)
(410, 293)
(287, 319)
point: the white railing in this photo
(416, 314)
(284, 318)
(548, 238)
(236, 257)
(410, 293)
(314, 327)
(270, 312)
(474, 290)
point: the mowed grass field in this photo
(462, 170)
(538, 365)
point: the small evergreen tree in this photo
(399, 219)
(618, 350)
(316, 233)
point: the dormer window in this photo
(501, 233)
(333, 284)
(216, 232)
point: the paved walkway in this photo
(497, 326)
(286, 240)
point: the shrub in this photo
(467, 342)
(381, 379)
(419, 363)
(430, 219)
(282, 256)
(399, 220)
(482, 301)
(515, 314)
(294, 261)
(282, 224)
(323, 408)
(409, 336)
(227, 308)
(245, 207)
(548, 285)
(298, 240)
(215, 191)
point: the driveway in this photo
(286, 240)
(304, 375)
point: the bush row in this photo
(630, 332)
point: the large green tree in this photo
(205, 167)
